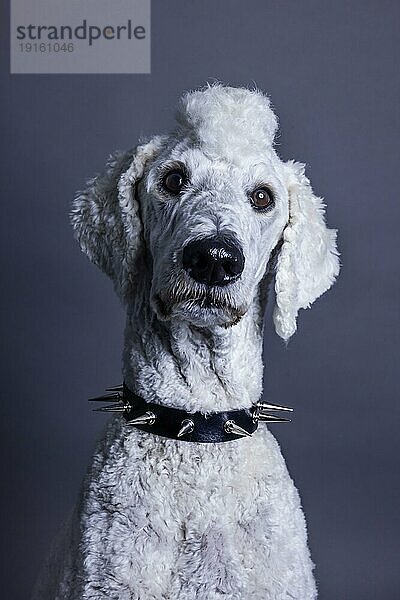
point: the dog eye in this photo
(262, 198)
(173, 181)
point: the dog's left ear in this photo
(308, 262)
(106, 216)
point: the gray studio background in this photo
(331, 69)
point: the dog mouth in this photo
(206, 302)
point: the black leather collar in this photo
(186, 426)
(200, 427)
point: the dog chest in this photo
(167, 515)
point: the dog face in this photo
(210, 225)
(197, 214)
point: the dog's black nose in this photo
(214, 260)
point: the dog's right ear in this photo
(105, 216)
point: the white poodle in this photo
(188, 495)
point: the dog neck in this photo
(176, 364)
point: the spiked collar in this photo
(179, 424)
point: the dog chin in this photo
(201, 313)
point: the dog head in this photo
(195, 216)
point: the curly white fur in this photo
(160, 518)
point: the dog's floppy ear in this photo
(308, 262)
(105, 216)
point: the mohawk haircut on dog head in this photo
(218, 120)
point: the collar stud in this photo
(147, 418)
(187, 426)
(231, 427)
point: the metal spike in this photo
(266, 406)
(272, 418)
(106, 398)
(187, 426)
(113, 408)
(115, 388)
(147, 418)
(231, 427)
